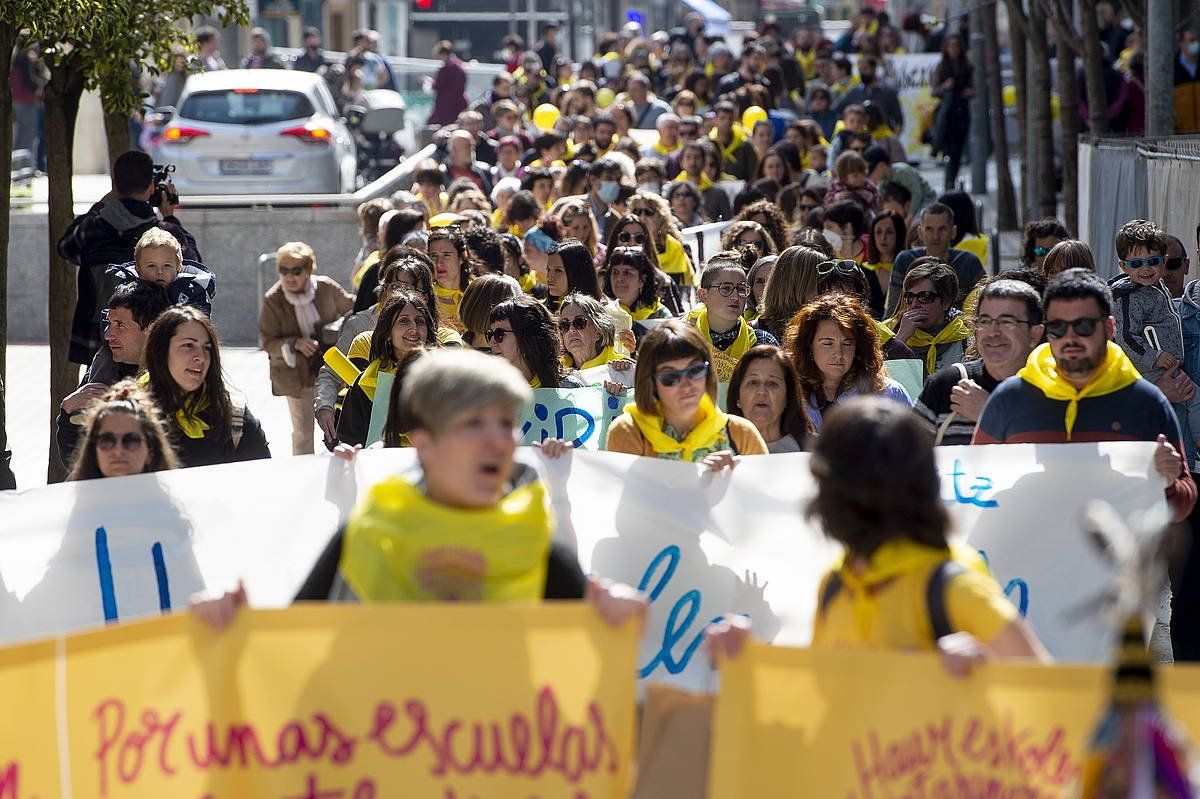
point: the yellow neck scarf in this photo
(187, 418)
(1041, 370)
(402, 546)
(885, 332)
(606, 356)
(891, 560)
(882, 132)
(666, 151)
(448, 300)
(955, 330)
(725, 360)
(644, 313)
(704, 184)
(370, 378)
(736, 138)
(702, 436)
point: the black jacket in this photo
(215, 448)
(68, 427)
(105, 235)
(7, 480)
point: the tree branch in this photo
(1064, 28)
(1016, 15)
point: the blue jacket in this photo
(196, 284)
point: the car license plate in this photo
(246, 166)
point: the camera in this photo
(162, 176)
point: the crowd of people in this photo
(547, 238)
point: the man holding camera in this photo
(107, 233)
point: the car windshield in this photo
(246, 107)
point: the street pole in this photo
(979, 142)
(1160, 56)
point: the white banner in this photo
(911, 75)
(74, 555)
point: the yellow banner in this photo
(327, 702)
(823, 723)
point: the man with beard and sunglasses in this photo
(1082, 387)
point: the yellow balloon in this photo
(753, 115)
(1009, 95)
(605, 97)
(545, 115)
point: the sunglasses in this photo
(1138, 263)
(1084, 327)
(846, 267)
(922, 297)
(579, 323)
(130, 442)
(636, 238)
(1040, 252)
(1176, 263)
(693, 373)
(496, 334)
(643, 212)
(295, 271)
(727, 289)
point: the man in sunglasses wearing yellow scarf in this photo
(1082, 387)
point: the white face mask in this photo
(1193, 48)
(834, 239)
(609, 190)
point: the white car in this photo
(258, 131)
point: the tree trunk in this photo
(1006, 201)
(1068, 125)
(1093, 69)
(1042, 200)
(62, 107)
(1160, 57)
(8, 38)
(1020, 68)
(116, 129)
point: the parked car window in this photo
(246, 106)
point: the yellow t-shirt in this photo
(893, 614)
(977, 246)
(371, 259)
(448, 300)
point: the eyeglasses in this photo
(845, 267)
(1040, 252)
(693, 373)
(1004, 322)
(1084, 326)
(727, 289)
(1138, 263)
(579, 323)
(636, 238)
(496, 334)
(1176, 263)
(295, 271)
(130, 442)
(755, 243)
(643, 212)
(922, 297)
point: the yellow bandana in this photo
(704, 184)
(369, 378)
(882, 132)
(402, 546)
(1041, 370)
(666, 152)
(885, 332)
(736, 138)
(187, 418)
(725, 361)
(674, 261)
(448, 300)
(528, 282)
(956, 330)
(648, 312)
(702, 436)
(608, 355)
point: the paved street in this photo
(29, 422)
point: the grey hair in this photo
(446, 383)
(593, 309)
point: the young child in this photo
(158, 259)
(818, 159)
(1148, 327)
(851, 182)
(723, 292)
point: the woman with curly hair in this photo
(746, 233)
(655, 214)
(124, 434)
(523, 332)
(767, 214)
(834, 346)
